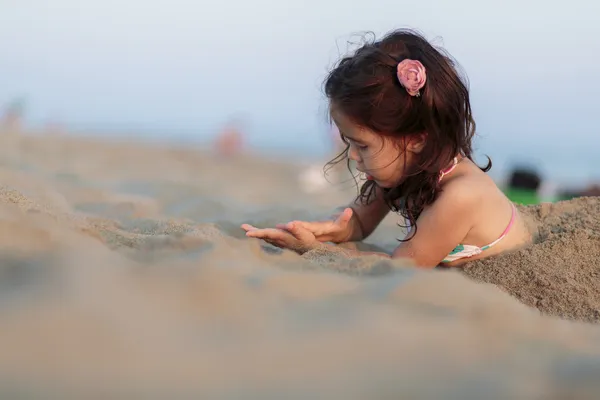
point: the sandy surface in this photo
(560, 273)
(123, 274)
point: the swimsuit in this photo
(467, 250)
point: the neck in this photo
(450, 168)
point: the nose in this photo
(353, 154)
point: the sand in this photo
(560, 273)
(124, 274)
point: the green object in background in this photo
(522, 196)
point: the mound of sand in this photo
(124, 274)
(559, 273)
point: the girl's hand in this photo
(337, 230)
(295, 237)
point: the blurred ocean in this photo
(179, 71)
(564, 164)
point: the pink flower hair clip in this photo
(412, 76)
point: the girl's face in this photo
(381, 158)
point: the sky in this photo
(184, 68)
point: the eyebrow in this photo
(353, 139)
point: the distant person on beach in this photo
(229, 142)
(523, 186)
(405, 116)
(12, 118)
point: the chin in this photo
(388, 184)
(384, 184)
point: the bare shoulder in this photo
(469, 189)
(467, 186)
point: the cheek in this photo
(391, 160)
(391, 166)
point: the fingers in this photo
(316, 228)
(300, 232)
(273, 234)
(344, 217)
(267, 233)
(276, 243)
(305, 230)
(295, 237)
(275, 237)
(307, 225)
(248, 227)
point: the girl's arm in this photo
(441, 227)
(366, 217)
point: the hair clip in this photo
(412, 76)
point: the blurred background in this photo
(246, 76)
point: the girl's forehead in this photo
(343, 122)
(338, 117)
(348, 128)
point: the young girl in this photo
(404, 113)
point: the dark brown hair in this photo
(364, 86)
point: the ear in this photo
(416, 143)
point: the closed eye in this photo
(357, 144)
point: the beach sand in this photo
(560, 273)
(124, 274)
